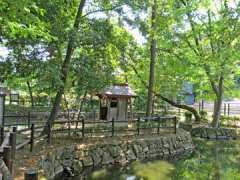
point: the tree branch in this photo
(181, 106)
(199, 48)
(210, 32)
(101, 10)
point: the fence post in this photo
(83, 127)
(138, 126)
(224, 109)
(14, 129)
(202, 104)
(31, 174)
(112, 127)
(29, 119)
(94, 115)
(49, 134)
(175, 124)
(32, 138)
(158, 129)
(69, 128)
(228, 109)
(2, 134)
(12, 143)
(7, 157)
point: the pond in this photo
(210, 160)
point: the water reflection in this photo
(151, 170)
(211, 161)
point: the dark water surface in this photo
(211, 160)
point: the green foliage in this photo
(203, 114)
(37, 32)
(232, 121)
(188, 116)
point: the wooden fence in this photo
(81, 128)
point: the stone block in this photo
(137, 149)
(130, 155)
(97, 159)
(77, 167)
(115, 151)
(87, 161)
(107, 158)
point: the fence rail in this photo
(85, 128)
(228, 108)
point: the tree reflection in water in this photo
(212, 160)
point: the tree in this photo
(213, 42)
(153, 50)
(170, 71)
(65, 68)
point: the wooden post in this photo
(31, 174)
(3, 118)
(112, 127)
(4, 108)
(12, 143)
(2, 134)
(69, 126)
(7, 157)
(158, 128)
(199, 106)
(29, 119)
(14, 129)
(225, 109)
(49, 134)
(138, 126)
(131, 109)
(228, 109)
(32, 138)
(175, 124)
(202, 104)
(83, 126)
(165, 108)
(94, 115)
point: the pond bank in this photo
(75, 158)
(214, 133)
(209, 160)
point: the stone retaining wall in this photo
(76, 158)
(214, 133)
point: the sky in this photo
(3, 51)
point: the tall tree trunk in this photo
(218, 104)
(153, 51)
(65, 69)
(30, 93)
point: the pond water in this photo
(210, 160)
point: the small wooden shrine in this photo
(115, 102)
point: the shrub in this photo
(203, 115)
(188, 116)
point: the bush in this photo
(203, 115)
(188, 116)
(230, 120)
